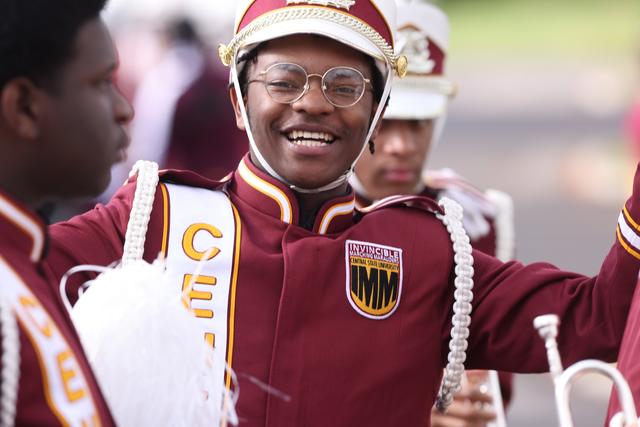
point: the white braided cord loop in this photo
(228, 52)
(140, 210)
(463, 296)
(10, 364)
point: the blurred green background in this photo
(606, 28)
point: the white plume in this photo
(148, 352)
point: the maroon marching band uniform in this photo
(436, 185)
(56, 385)
(295, 330)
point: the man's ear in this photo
(236, 108)
(20, 108)
(376, 130)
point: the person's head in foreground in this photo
(417, 107)
(61, 117)
(310, 82)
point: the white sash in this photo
(68, 392)
(201, 219)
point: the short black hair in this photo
(250, 57)
(37, 36)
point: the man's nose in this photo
(123, 108)
(313, 101)
(399, 142)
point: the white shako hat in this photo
(423, 38)
(365, 25)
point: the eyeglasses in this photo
(286, 83)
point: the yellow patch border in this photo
(354, 304)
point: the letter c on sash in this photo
(189, 236)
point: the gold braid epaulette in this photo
(227, 53)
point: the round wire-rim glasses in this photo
(341, 86)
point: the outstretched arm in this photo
(507, 297)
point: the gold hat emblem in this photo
(225, 54)
(401, 66)
(340, 4)
(414, 44)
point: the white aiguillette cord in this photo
(463, 295)
(140, 210)
(10, 363)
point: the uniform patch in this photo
(374, 278)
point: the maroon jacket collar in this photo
(273, 198)
(20, 228)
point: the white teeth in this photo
(307, 136)
(309, 143)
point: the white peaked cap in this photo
(423, 37)
(427, 18)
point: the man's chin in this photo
(93, 187)
(308, 183)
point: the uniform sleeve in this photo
(95, 238)
(593, 311)
(628, 360)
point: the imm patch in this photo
(374, 278)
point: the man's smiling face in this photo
(309, 142)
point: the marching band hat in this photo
(423, 37)
(365, 25)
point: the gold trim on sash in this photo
(232, 299)
(165, 224)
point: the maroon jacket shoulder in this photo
(424, 203)
(191, 179)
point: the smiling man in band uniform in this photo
(342, 316)
(61, 129)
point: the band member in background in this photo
(411, 128)
(330, 315)
(61, 129)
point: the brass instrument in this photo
(498, 404)
(547, 326)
